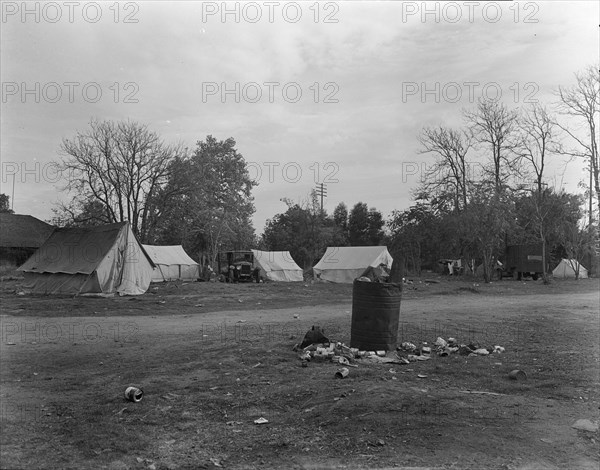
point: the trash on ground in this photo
(384, 360)
(517, 375)
(422, 376)
(134, 394)
(342, 373)
(261, 420)
(313, 336)
(413, 358)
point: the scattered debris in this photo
(414, 358)
(385, 360)
(422, 376)
(408, 347)
(261, 420)
(342, 373)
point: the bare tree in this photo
(120, 165)
(537, 141)
(451, 167)
(494, 125)
(582, 101)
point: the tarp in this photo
(277, 266)
(172, 263)
(566, 269)
(343, 264)
(104, 259)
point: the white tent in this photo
(106, 259)
(566, 269)
(278, 266)
(172, 263)
(345, 263)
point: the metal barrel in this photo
(375, 315)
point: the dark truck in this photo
(236, 266)
(524, 261)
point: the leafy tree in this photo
(485, 223)
(302, 230)
(340, 219)
(365, 226)
(5, 204)
(414, 236)
(206, 204)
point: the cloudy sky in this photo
(328, 91)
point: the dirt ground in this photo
(211, 358)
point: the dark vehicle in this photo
(236, 266)
(524, 261)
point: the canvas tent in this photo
(343, 264)
(277, 266)
(566, 269)
(105, 259)
(172, 264)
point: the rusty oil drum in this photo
(375, 315)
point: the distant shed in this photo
(20, 236)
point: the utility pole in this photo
(12, 199)
(321, 191)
